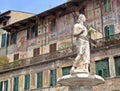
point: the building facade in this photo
(7, 18)
(41, 48)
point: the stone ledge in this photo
(80, 79)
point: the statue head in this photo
(81, 18)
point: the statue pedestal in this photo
(80, 81)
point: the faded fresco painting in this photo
(65, 27)
(21, 41)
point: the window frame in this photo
(66, 70)
(40, 80)
(32, 32)
(27, 82)
(117, 65)
(4, 85)
(4, 40)
(101, 66)
(36, 52)
(16, 84)
(16, 56)
(53, 77)
(13, 38)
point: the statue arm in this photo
(78, 30)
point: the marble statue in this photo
(82, 61)
(79, 78)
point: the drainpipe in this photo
(100, 3)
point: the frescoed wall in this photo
(22, 41)
(65, 27)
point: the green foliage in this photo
(16, 63)
(3, 61)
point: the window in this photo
(13, 38)
(66, 70)
(102, 68)
(16, 56)
(4, 85)
(1, 85)
(109, 32)
(3, 42)
(27, 82)
(117, 66)
(7, 42)
(39, 80)
(36, 52)
(52, 47)
(107, 5)
(4, 23)
(53, 25)
(119, 19)
(16, 84)
(32, 32)
(53, 77)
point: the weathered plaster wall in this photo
(25, 47)
(33, 70)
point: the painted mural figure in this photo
(82, 61)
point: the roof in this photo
(9, 11)
(1, 14)
(42, 15)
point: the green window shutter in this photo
(66, 70)
(107, 5)
(105, 2)
(102, 68)
(27, 81)
(109, 32)
(8, 39)
(1, 85)
(112, 30)
(117, 66)
(6, 89)
(3, 40)
(28, 33)
(36, 29)
(53, 77)
(119, 19)
(39, 80)
(14, 38)
(16, 84)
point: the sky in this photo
(32, 6)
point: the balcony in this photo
(44, 58)
(106, 42)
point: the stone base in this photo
(81, 88)
(80, 81)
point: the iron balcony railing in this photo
(106, 42)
